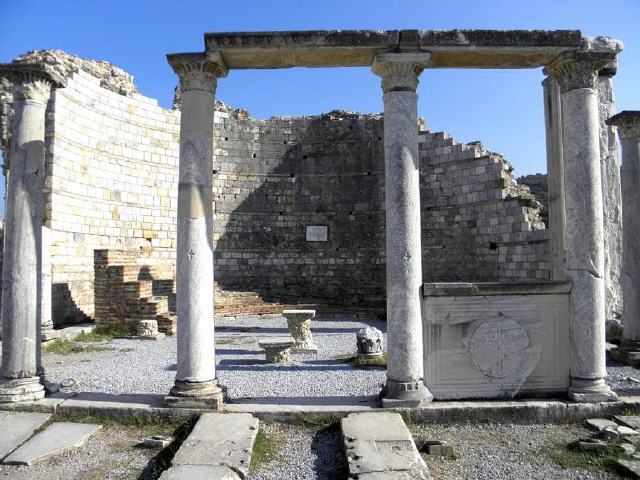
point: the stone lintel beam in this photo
(449, 48)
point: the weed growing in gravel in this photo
(570, 457)
(265, 449)
(67, 347)
(316, 420)
(354, 361)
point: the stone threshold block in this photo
(218, 447)
(299, 323)
(55, 439)
(379, 445)
(277, 349)
(17, 427)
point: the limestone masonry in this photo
(111, 185)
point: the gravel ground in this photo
(137, 366)
(497, 452)
(110, 454)
(623, 379)
(307, 453)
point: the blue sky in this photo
(501, 108)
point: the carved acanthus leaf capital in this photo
(31, 87)
(31, 81)
(400, 71)
(628, 123)
(198, 71)
(578, 70)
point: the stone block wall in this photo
(111, 184)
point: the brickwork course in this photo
(111, 197)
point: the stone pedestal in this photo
(196, 382)
(577, 76)
(148, 330)
(405, 385)
(21, 288)
(299, 323)
(628, 123)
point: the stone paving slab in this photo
(56, 438)
(631, 421)
(199, 472)
(220, 439)
(378, 445)
(631, 466)
(17, 427)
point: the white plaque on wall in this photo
(317, 233)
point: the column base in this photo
(207, 395)
(405, 394)
(627, 352)
(48, 334)
(583, 390)
(21, 390)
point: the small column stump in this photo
(278, 349)
(299, 323)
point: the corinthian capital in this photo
(400, 71)
(628, 123)
(198, 71)
(31, 81)
(578, 70)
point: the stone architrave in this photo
(405, 370)
(299, 323)
(611, 195)
(196, 383)
(577, 76)
(21, 275)
(628, 123)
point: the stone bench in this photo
(299, 323)
(277, 349)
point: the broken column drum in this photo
(21, 287)
(405, 378)
(577, 76)
(196, 383)
(628, 123)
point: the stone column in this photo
(46, 324)
(611, 195)
(19, 380)
(555, 174)
(405, 378)
(196, 384)
(577, 75)
(628, 123)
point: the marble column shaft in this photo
(628, 124)
(405, 378)
(611, 195)
(584, 235)
(196, 374)
(22, 243)
(555, 176)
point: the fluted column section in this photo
(405, 378)
(577, 76)
(628, 123)
(21, 288)
(196, 384)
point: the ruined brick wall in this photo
(111, 184)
